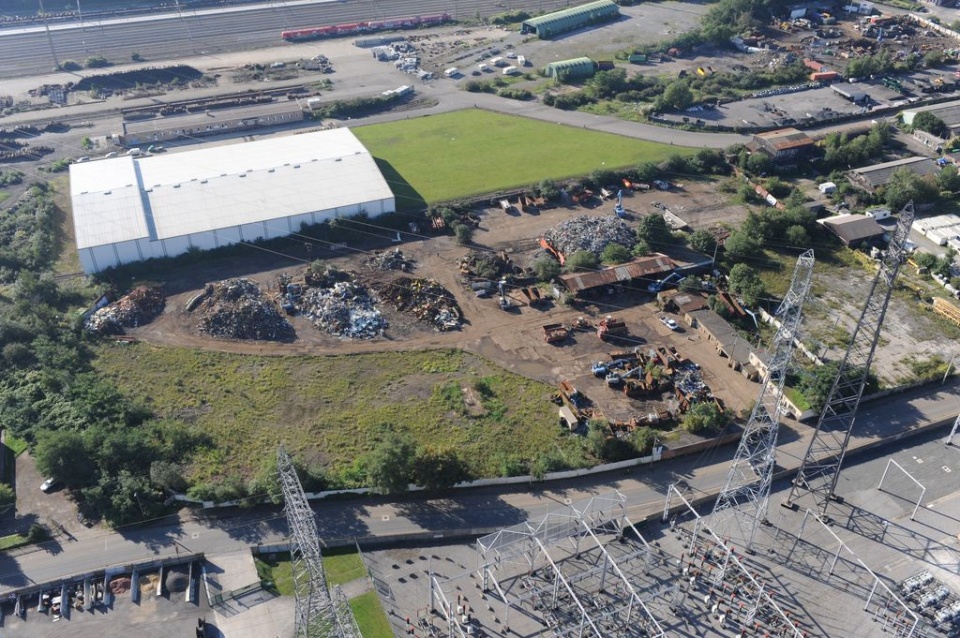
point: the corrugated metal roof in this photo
(854, 228)
(653, 264)
(212, 188)
(879, 174)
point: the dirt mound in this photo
(424, 298)
(140, 306)
(236, 309)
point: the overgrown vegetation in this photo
(28, 234)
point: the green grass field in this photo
(473, 151)
(330, 410)
(342, 565)
(372, 621)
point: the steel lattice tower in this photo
(820, 468)
(317, 616)
(743, 500)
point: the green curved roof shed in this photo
(573, 18)
(575, 68)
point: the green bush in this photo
(580, 261)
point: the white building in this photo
(129, 209)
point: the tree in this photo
(581, 260)
(63, 456)
(703, 241)
(438, 468)
(905, 185)
(653, 230)
(640, 248)
(690, 284)
(136, 57)
(759, 164)
(745, 281)
(798, 236)
(742, 245)
(677, 96)
(948, 179)
(169, 476)
(390, 465)
(546, 268)
(464, 234)
(548, 190)
(704, 416)
(96, 62)
(927, 121)
(614, 253)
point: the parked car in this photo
(49, 485)
(670, 323)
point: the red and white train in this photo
(355, 28)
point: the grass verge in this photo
(372, 621)
(342, 565)
(276, 573)
(17, 446)
(474, 151)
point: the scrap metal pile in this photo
(589, 233)
(237, 309)
(346, 309)
(140, 306)
(389, 260)
(425, 298)
(486, 265)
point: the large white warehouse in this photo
(129, 209)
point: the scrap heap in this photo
(486, 265)
(589, 233)
(426, 299)
(346, 309)
(236, 309)
(140, 306)
(389, 260)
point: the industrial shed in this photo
(569, 19)
(648, 266)
(575, 68)
(949, 112)
(854, 229)
(872, 177)
(129, 209)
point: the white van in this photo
(134, 152)
(510, 70)
(451, 72)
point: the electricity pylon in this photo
(820, 469)
(742, 503)
(316, 614)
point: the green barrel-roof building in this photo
(573, 18)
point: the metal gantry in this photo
(742, 503)
(316, 614)
(820, 468)
(596, 601)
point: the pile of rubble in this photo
(236, 309)
(140, 306)
(589, 233)
(486, 265)
(389, 260)
(424, 298)
(344, 310)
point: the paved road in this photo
(470, 510)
